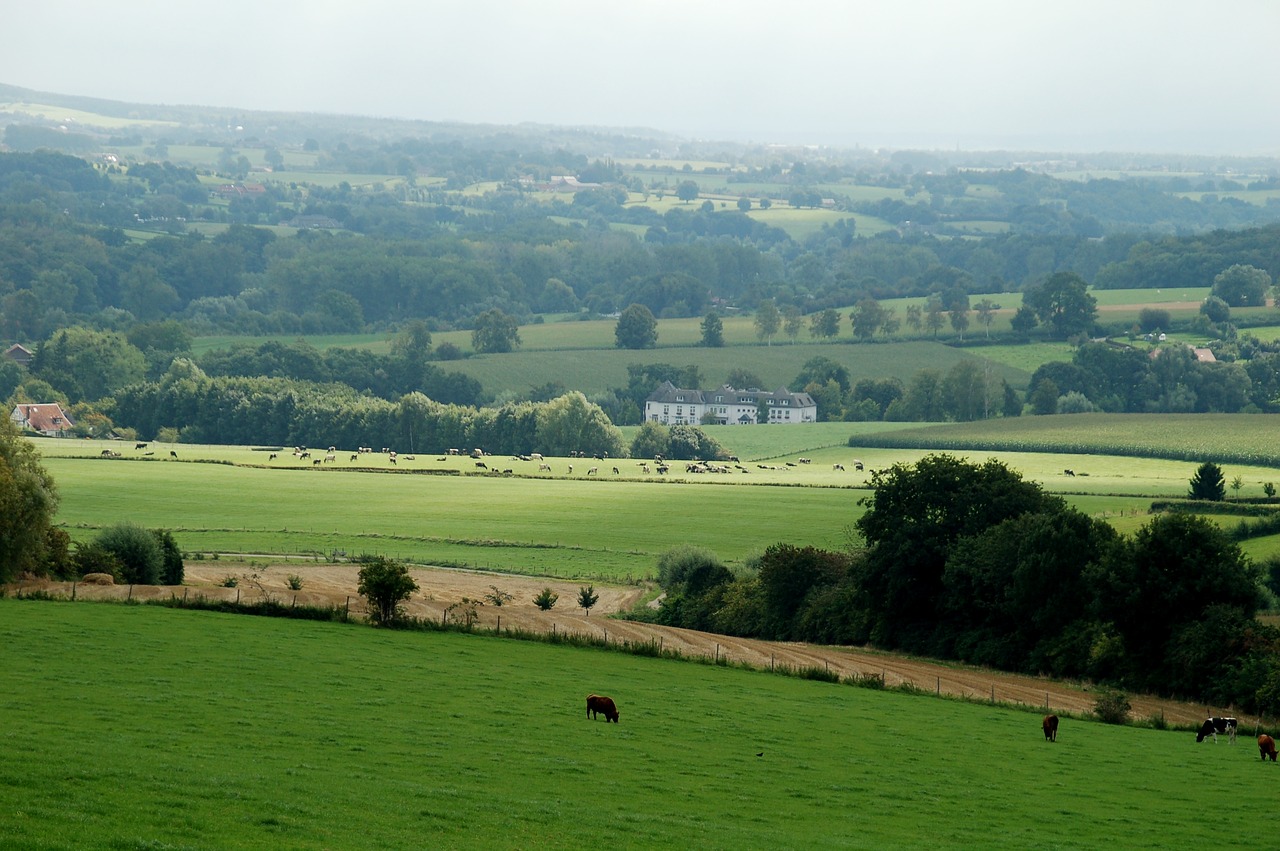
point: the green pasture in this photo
(1028, 357)
(1234, 439)
(1149, 297)
(776, 365)
(226, 731)
(569, 522)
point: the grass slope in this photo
(234, 732)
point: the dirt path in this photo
(441, 588)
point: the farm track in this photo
(441, 588)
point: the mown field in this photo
(236, 732)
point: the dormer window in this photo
(679, 398)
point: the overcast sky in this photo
(1083, 75)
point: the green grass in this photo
(224, 731)
(569, 525)
(777, 364)
(1245, 439)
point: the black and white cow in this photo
(1214, 726)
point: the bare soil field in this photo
(442, 588)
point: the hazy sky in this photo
(1164, 75)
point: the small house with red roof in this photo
(47, 418)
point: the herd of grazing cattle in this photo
(483, 461)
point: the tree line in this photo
(966, 561)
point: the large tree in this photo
(768, 319)
(1242, 285)
(712, 330)
(1063, 302)
(1208, 483)
(495, 332)
(914, 518)
(636, 328)
(28, 501)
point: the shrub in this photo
(546, 599)
(172, 570)
(1112, 706)
(295, 582)
(140, 555)
(385, 584)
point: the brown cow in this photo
(1050, 725)
(603, 705)
(1267, 747)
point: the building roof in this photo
(45, 417)
(19, 353)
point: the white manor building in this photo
(670, 405)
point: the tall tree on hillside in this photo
(636, 328)
(495, 332)
(712, 330)
(768, 320)
(1063, 302)
(825, 323)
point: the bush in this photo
(385, 584)
(295, 582)
(1112, 706)
(172, 570)
(546, 599)
(140, 555)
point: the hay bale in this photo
(98, 579)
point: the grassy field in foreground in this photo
(288, 734)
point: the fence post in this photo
(717, 654)
(295, 601)
(347, 612)
(937, 689)
(237, 596)
(498, 629)
(184, 594)
(1046, 701)
(130, 591)
(73, 592)
(993, 692)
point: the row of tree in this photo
(970, 562)
(198, 408)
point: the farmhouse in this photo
(46, 418)
(671, 405)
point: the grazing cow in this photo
(454, 452)
(615, 471)
(273, 457)
(593, 471)
(355, 457)
(544, 468)
(317, 462)
(106, 453)
(392, 459)
(604, 705)
(1267, 747)
(839, 467)
(481, 465)
(139, 446)
(1214, 726)
(1068, 472)
(173, 454)
(331, 457)
(1050, 725)
(857, 465)
(536, 456)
